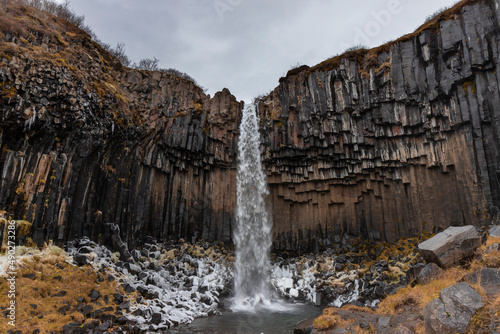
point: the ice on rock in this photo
(175, 298)
(294, 293)
(287, 283)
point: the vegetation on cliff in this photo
(367, 58)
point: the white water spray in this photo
(252, 236)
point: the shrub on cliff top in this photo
(63, 10)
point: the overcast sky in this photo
(247, 45)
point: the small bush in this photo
(356, 48)
(147, 64)
(330, 319)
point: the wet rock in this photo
(156, 318)
(127, 287)
(85, 250)
(108, 317)
(304, 327)
(450, 246)
(80, 259)
(452, 311)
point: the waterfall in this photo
(252, 235)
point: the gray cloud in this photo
(247, 45)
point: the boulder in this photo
(156, 318)
(453, 310)
(104, 326)
(450, 246)
(488, 278)
(133, 268)
(80, 259)
(94, 295)
(114, 231)
(413, 272)
(304, 326)
(495, 231)
(492, 248)
(384, 321)
(429, 273)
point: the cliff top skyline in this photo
(245, 45)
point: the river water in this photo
(261, 320)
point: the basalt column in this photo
(392, 141)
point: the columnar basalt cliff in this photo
(376, 143)
(391, 141)
(86, 142)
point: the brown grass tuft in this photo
(37, 300)
(330, 319)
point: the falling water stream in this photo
(252, 236)
(254, 308)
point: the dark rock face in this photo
(85, 144)
(378, 143)
(391, 141)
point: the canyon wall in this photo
(378, 143)
(392, 141)
(85, 142)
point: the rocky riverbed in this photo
(163, 287)
(167, 285)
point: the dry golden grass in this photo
(420, 295)
(37, 299)
(358, 308)
(330, 319)
(65, 46)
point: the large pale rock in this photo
(495, 231)
(452, 311)
(450, 246)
